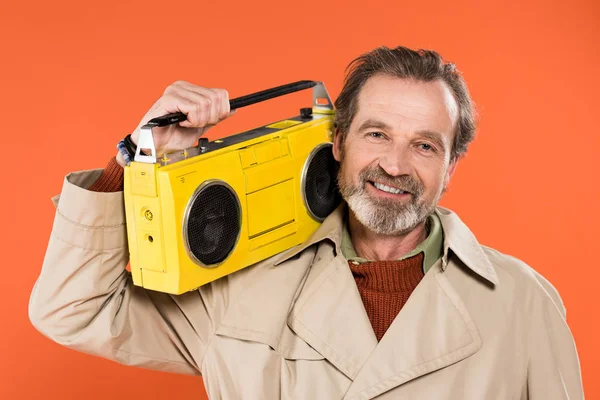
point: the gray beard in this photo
(386, 216)
(385, 220)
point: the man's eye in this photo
(375, 135)
(426, 147)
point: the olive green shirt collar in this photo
(432, 246)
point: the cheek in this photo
(355, 160)
(349, 171)
(432, 176)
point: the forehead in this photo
(407, 105)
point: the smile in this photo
(388, 189)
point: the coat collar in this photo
(317, 300)
(331, 229)
(457, 237)
(433, 330)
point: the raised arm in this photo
(84, 297)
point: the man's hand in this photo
(204, 108)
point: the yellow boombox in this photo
(205, 212)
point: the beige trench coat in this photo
(480, 325)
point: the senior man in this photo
(392, 297)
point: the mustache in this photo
(406, 183)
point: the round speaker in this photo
(319, 182)
(212, 223)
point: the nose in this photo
(396, 161)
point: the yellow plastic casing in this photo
(265, 173)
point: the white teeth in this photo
(387, 188)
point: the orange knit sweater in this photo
(111, 179)
(384, 286)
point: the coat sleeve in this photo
(553, 371)
(84, 297)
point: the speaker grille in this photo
(319, 188)
(212, 223)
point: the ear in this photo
(337, 146)
(450, 172)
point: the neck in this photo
(373, 246)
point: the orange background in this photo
(76, 76)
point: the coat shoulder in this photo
(527, 278)
(230, 288)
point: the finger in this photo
(215, 111)
(223, 98)
(196, 92)
(215, 94)
(197, 110)
(218, 95)
(218, 98)
(207, 115)
(196, 117)
(203, 91)
(195, 88)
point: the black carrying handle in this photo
(240, 101)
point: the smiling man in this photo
(401, 152)
(392, 297)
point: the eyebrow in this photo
(373, 123)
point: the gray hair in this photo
(404, 63)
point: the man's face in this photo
(395, 160)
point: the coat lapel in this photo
(328, 313)
(433, 330)
(260, 311)
(330, 316)
(316, 296)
